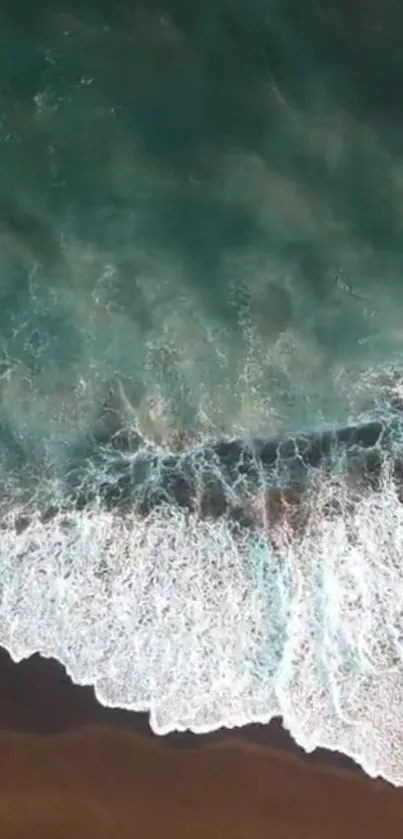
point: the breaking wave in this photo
(206, 625)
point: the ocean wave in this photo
(204, 622)
(243, 272)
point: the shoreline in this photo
(69, 767)
(38, 698)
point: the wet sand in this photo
(69, 767)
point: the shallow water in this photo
(201, 237)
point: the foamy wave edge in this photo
(180, 617)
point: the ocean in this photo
(201, 354)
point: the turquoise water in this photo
(205, 206)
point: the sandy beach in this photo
(69, 767)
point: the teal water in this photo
(204, 205)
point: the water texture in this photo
(201, 361)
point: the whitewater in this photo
(205, 625)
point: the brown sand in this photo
(107, 776)
(106, 783)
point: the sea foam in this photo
(205, 627)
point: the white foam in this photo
(179, 617)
